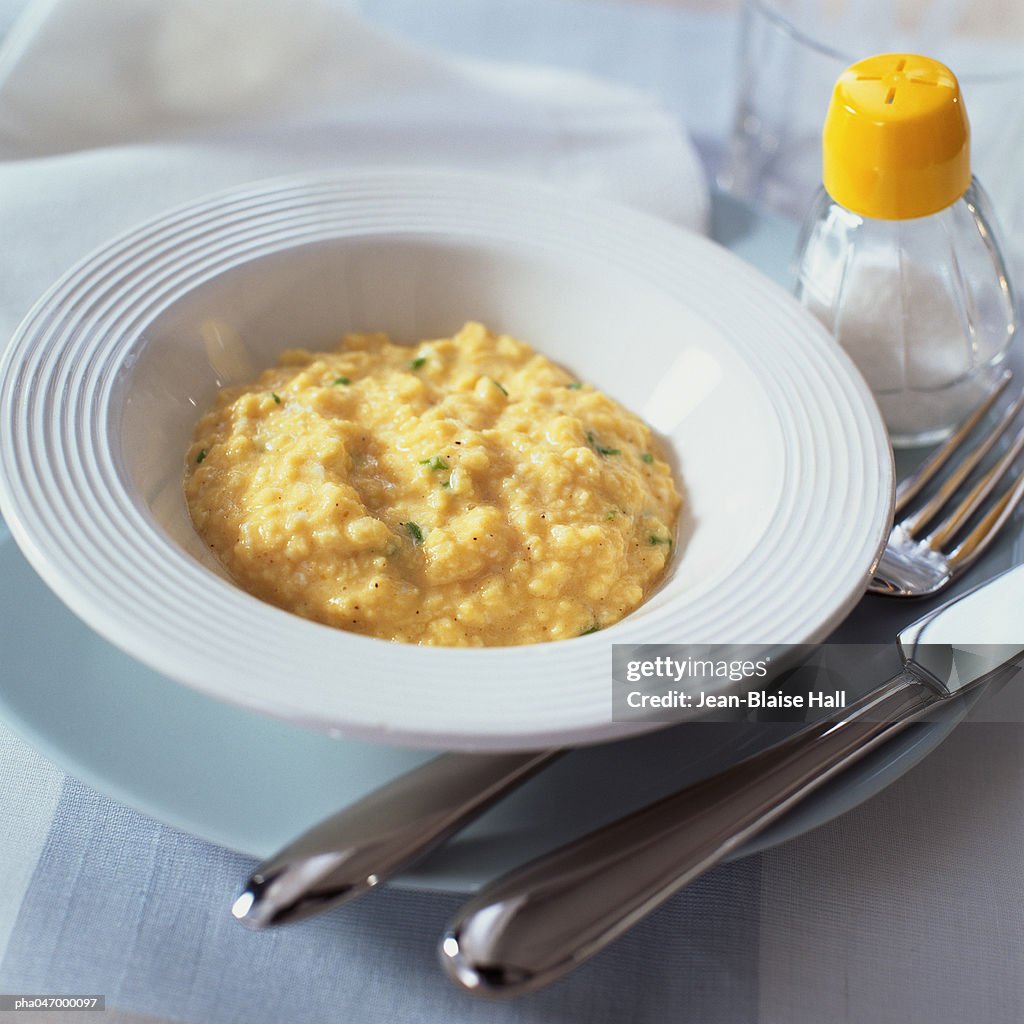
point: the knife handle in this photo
(541, 920)
(384, 832)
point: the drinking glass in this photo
(792, 51)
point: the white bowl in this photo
(784, 460)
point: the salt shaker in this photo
(899, 255)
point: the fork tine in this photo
(913, 484)
(978, 494)
(952, 483)
(975, 543)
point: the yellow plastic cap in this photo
(896, 142)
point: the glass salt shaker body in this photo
(899, 255)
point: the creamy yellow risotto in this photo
(465, 491)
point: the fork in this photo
(352, 852)
(919, 557)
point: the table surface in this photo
(908, 908)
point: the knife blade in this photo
(540, 921)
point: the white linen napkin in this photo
(114, 110)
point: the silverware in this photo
(391, 828)
(384, 832)
(540, 921)
(919, 558)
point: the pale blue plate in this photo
(252, 783)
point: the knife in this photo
(541, 920)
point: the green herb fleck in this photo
(414, 531)
(435, 463)
(593, 629)
(647, 457)
(342, 380)
(498, 386)
(200, 456)
(653, 539)
(447, 485)
(415, 364)
(275, 398)
(575, 385)
(600, 449)
(611, 513)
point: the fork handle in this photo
(541, 920)
(366, 843)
